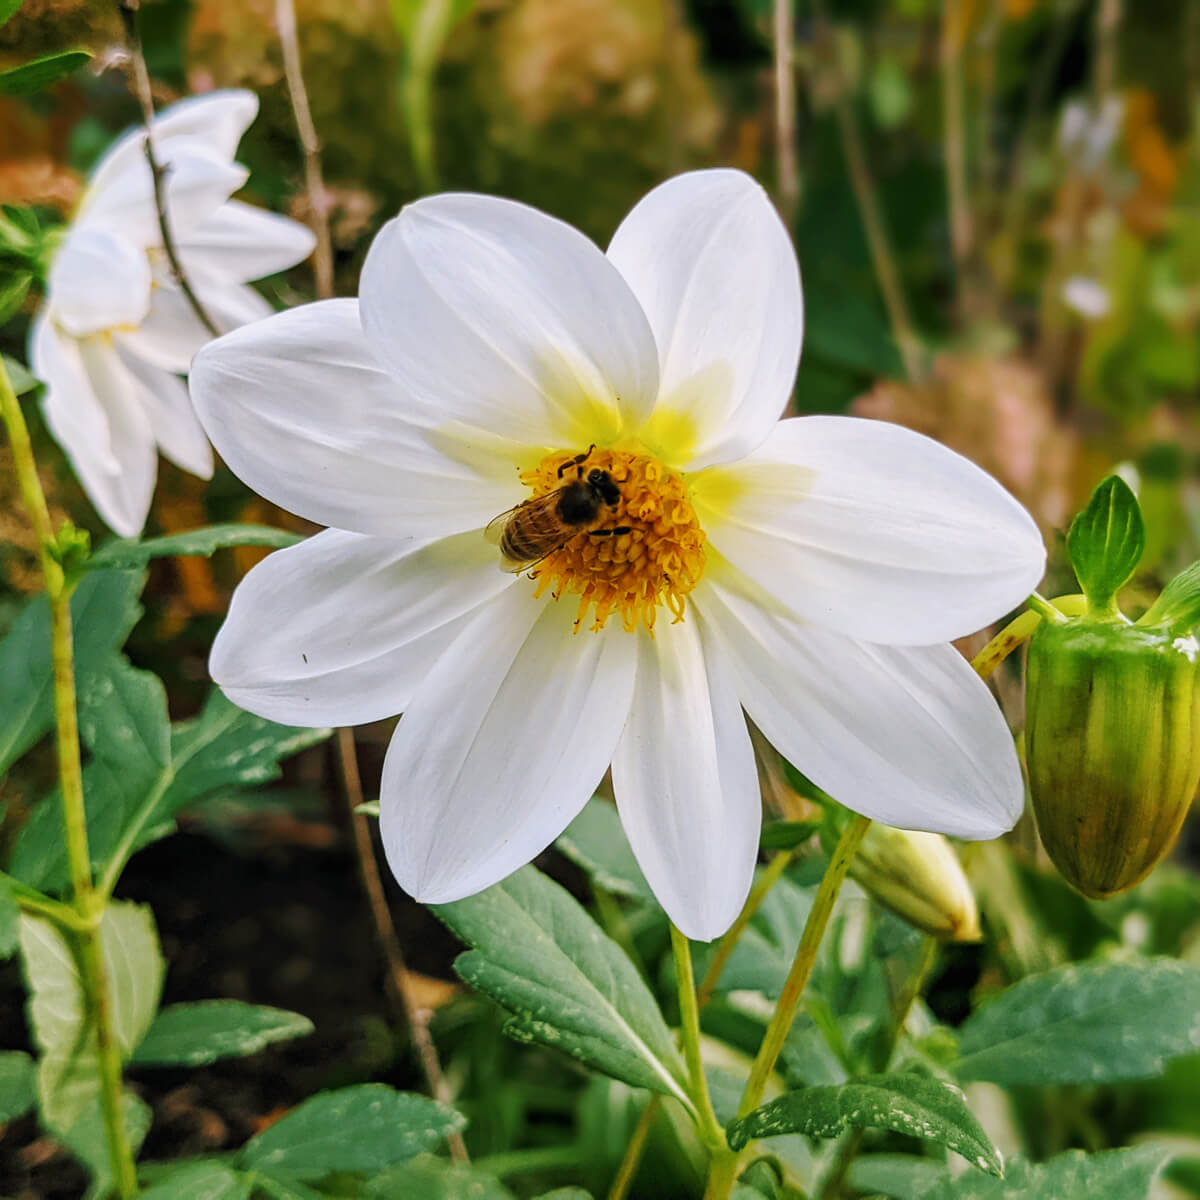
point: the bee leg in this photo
(577, 461)
(616, 532)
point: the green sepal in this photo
(1105, 543)
(1177, 609)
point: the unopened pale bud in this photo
(918, 876)
(1113, 747)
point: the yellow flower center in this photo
(644, 548)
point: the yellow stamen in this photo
(658, 561)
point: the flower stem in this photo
(89, 908)
(725, 1165)
(633, 1152)
(850, 1145)
(758, 893)
(1041, 605)
(689, 1010)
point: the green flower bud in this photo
(1112, 746)
(918, 876)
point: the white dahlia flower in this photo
(115, 331)
(690, 557)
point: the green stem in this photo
(725, 1164)
(89, 907)
(689, 1011)
(758, 893)
(35, 902)
(1041, 605)
(633, 1152)
(848, 1150)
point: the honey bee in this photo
(536, 528)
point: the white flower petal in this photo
(496, 315)
(171, 334)
(298, 408)
(905, 735)
(197, 184)
(712, 265)
(240, 243)
(95, 410)
(98, 280)
(172, 419)
(872, 530)
(685, 781)
(213, 124)
(502, 745)
(341, 629)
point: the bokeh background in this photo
(996, 205)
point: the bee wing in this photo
(494, 530)
(537, 534)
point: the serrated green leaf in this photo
(1097, 1023)
(104, 609)
(195, 542)
(192, 1035)
(19, 376)
(199, 1181)
(68, 1080)
(1106, 541)
(1112, 1175)
(596, 842)
(17, 1080)
(539, 955)
(223, 747)
(87, 1140)
(429, 1178)
(8, 10)
(123, 720)
(363, 1129)
(42, 72)
(915, 1105)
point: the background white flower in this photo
(115, 331)
(490, 345)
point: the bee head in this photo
(601, 482)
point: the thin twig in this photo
(882, 258)
(1035, 99)
(399, 981)
(954, 142)
(158, 171)
(785, 110)
(314, 180)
